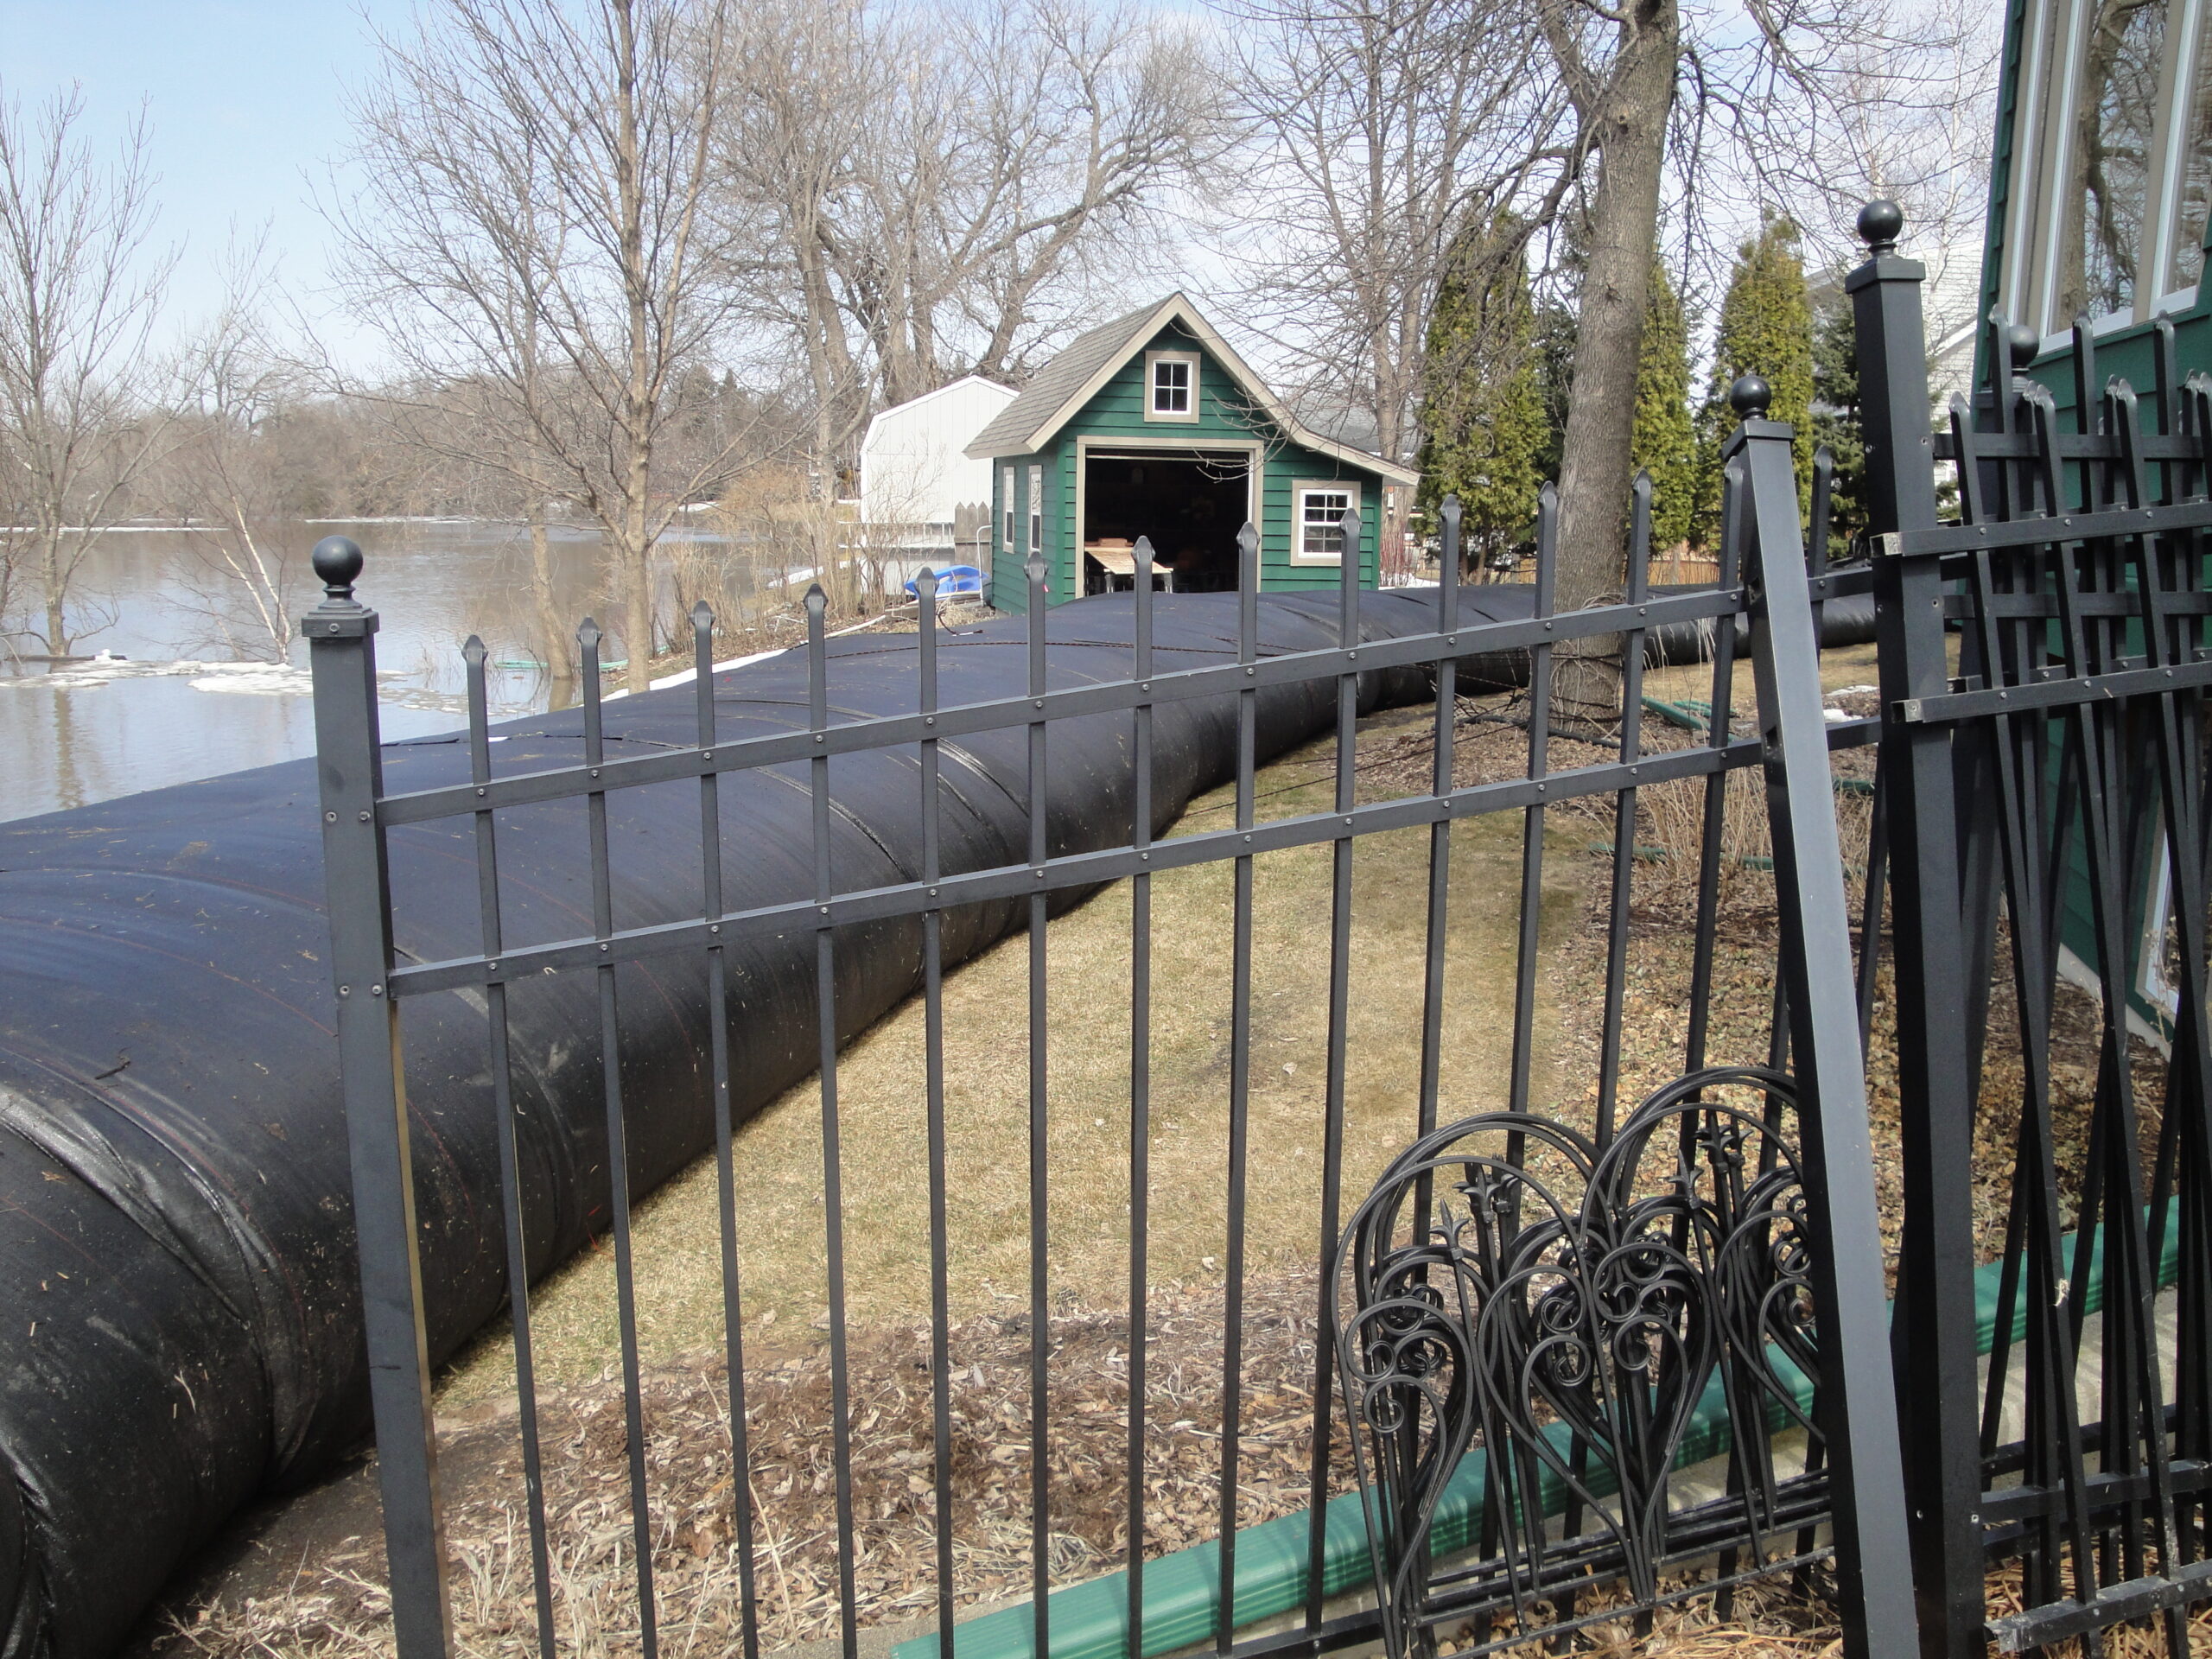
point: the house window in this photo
(1171, 381)
(2113, 154)
(2195, 187)
(1317, 528)
(1036, 509)
(1006, 495)
(2109, 170)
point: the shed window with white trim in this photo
(1006, 496)
(1036, 509)
(1317, 521)
(1171, 381)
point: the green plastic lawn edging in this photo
(1690, 714)
(1182, 1591)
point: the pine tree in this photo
(1663, 442)
(1766, 328)
(1482, 414)
(1554, 350)
(1835, 417)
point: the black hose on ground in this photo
(179, 1295)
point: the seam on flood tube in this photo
(1182, 1591)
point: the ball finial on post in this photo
(1880, 223)
(337, 562)
(1749, 396)
(2021, 345)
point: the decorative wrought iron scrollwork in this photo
(1508, 1285)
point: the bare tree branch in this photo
(80, 288)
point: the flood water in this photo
(75, 735)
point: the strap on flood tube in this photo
(1182, 1591)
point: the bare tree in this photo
(81, 287)
(1382, 133)
(941, 189)
(218, 474)
(534, 233)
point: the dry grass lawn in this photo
(881, 1097)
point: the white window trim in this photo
(1188, 418)
(2170, 140)
(1006, 521)
(2043, 151)
(1036, 547)
(1299, 489)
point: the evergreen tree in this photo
(1766, 328)
(1555, 349)
(1663, 442)
(1835, 417)
(1482, 414)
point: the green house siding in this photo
(1114, 415)
(1007, 587)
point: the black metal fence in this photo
(1545, 1315)
(2045, 796)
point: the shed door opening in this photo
(1191, 502)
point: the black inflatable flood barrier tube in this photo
(177, 1280)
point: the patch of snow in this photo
(106, 669)
(241, 679)
(258, 680)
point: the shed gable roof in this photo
(1072, 380)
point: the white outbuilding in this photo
(913, 475)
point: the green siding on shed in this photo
(1114, 414)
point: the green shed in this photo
(1152, 425)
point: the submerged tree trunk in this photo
(57, 601)
(555, 628)
(1630, 124)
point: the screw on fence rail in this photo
(1857, 1400)
(1933, 1325)
(341, 633)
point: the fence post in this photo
(1934, 1335)
(1856, 1400)
(342, 651)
